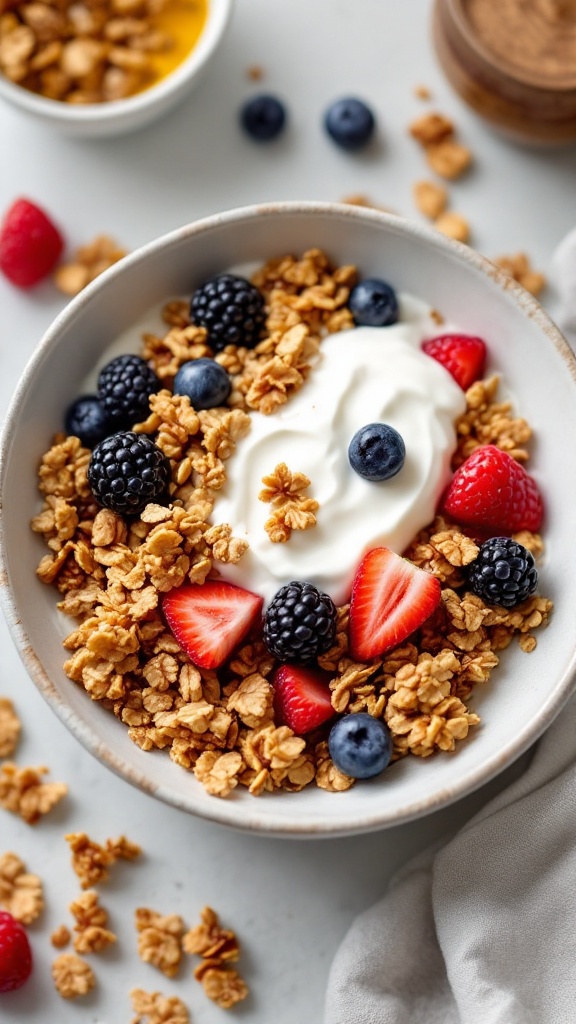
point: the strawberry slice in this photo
(492, 491)
(391, 598)
(463, 355)
(210, 620)
(302, 698)
(30, 244)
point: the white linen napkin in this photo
(481, 929)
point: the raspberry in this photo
(30, 244)
(231, 309)
(300, 623)
(15, 953)
(127, 471)
(492, 491)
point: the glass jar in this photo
(513, 62)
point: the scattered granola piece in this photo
(222, 985)
(255, 73)
(210, 940)
(10, 727)
(453, 225)
(60, 937)
(519, 267)
(92, 936)
(88, 261)
(159, 940)
(23, 792)
(422, 92)
(91, 861)
(292, 511)
(20, 892)
(430, 198)
(154, 1008)
(448, 158)
(431, 128)
(72, 976)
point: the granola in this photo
(111, 572)
(72, 976)
(21, 893)
(91, 861)
(10, 727)
(91, 934)
(159, 940)
(154, 1008)
(218, 948)
(23, 792)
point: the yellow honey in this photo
(182, 21)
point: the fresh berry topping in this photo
(300, 623)
(210, 620)
(86, 419)
(231, 309)
(377, 451)
(127, 471)
(491, 491)
(30, 244)
(461, 354)
(15, 953)
(263, 118)
(373, 303)
(360, 746)
(350, 123)
(391, 597)
(504, 572)
(205, 382)
(124, 388)
(302, 698)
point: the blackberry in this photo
(503, 572)
(124, 388)
(231, 309)
(300, 623)
(126, 471)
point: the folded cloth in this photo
(481, 929)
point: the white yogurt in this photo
(364, 375)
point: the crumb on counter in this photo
(23, 792)
(87, 262)
(454, 225)
(430, 198)
(90, 860)
(160, 940)
(72, 976)
(21, 892)
(155, 1008)
(10, 727)
(519, 267)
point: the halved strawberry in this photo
(463, 355)
(492, 491)
(391, 597)
(302, 698)
(210, 620)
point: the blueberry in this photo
(373, 303)
(263, 118)
(87, 420)
(360, 746)
(204, 381)
(377, 451)
(350, 123)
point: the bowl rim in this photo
(217, 19)
(222, 811)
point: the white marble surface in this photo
(289, 901)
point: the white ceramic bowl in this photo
(526, 692)
(108, 119)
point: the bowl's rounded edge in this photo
(103, 119)
(226, 812)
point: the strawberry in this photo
(210, 620)
(302, 698)
(461, 354)
(491, 491)
(391, 598)
(30, 244)
(15, 953)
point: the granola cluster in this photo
(110, 573)
(87, 262)
(21, 892)
(80, 52)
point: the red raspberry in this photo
(30, 244)
(461, 354)
(15, 953)
(492, 491)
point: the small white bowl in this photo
(526, 690)
(120, 116)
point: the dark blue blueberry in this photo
(350, 123)
(373, 303)
(360, 746)
(87, 420)
(263, 118)
(503, 572)
(205, 382)
(377, 451)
